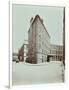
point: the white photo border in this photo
(60, 4)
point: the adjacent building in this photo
(14, 56)
(23, 52)
(56, 53)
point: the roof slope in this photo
(37, 16)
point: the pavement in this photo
(49, 72)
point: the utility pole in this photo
(64, 36)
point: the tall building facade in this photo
(38, 41)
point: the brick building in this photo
(38, 41)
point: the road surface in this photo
(49, 72)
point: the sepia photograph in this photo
(38, 44)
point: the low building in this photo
(15, 56)
(56, 52)
(22, 55)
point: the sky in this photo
(21, 15)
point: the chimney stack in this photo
(31, 20)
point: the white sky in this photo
(52, 18)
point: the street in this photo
(49, 72)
